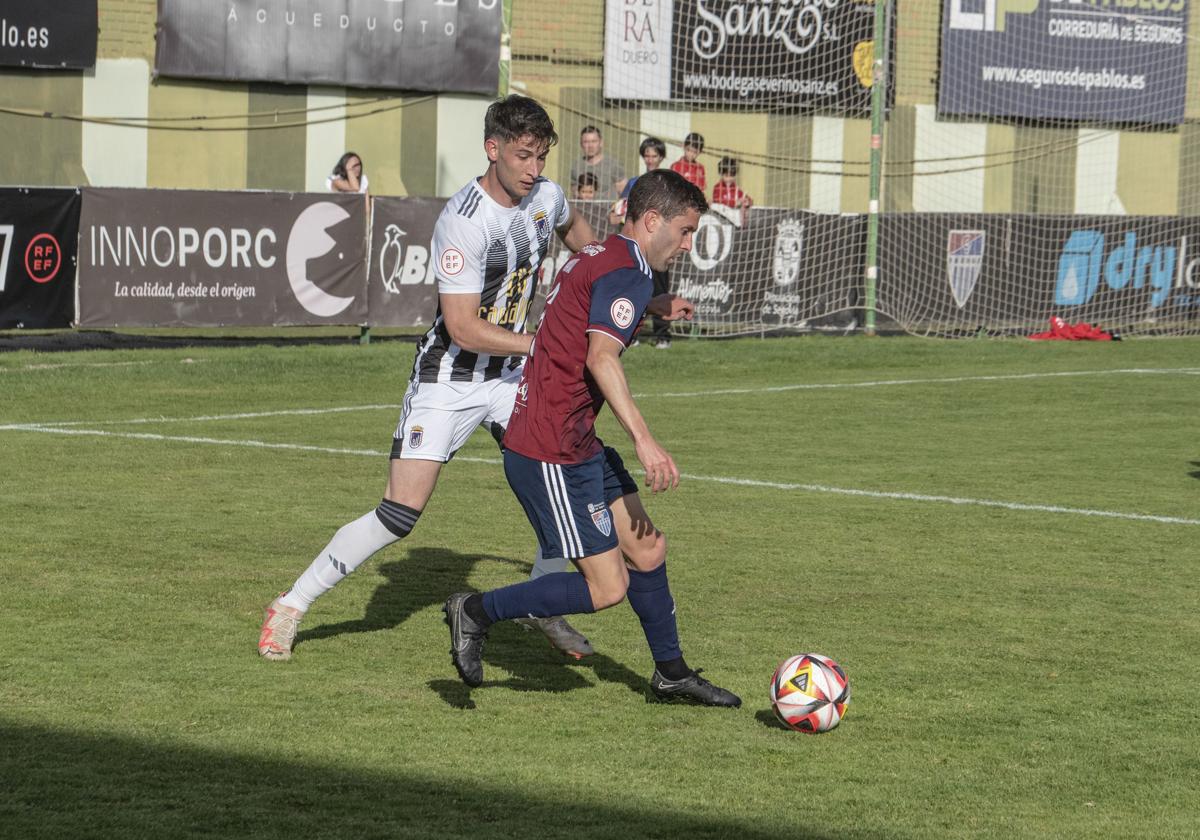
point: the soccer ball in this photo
(809, 693)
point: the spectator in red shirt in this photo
(687, 166)
(727, 191)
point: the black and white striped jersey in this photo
(482, 248)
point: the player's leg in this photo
(644, 549)
(427, 434)
(410, 484)
(557, 630)
(565, 505)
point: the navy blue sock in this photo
(650, 596)
(558, 594)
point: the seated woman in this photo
(347, 175)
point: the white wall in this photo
(955, 191)
(115, 156)
(326, 141)
(460, 155)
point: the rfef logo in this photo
(1085, 261)
(43, 258)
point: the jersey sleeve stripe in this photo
(645, 266)
(469, 205)
(603, 330)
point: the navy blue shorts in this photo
(567, 504)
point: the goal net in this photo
(1039, 158)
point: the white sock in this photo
(349, 548)
(543, 566)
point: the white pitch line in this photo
(257, 444)
(742, 482)
(821, 386)
(951, 500)
(59, 365)
(882, 383)
(246, 415)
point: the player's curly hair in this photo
(516, 116)
(667, 192)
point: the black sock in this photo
(473, 607)
(673, 669)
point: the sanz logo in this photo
(1084, 261)
(987, 15)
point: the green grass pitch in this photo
(997, 540)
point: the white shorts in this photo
(438, 417)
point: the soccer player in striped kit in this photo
(578, 496)
(488, 245)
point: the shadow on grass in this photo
(426, 578)
(1195, 473)
(60, 784)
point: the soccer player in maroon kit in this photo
(581, 501)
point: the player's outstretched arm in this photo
(604, 363)
(671, 307)
(576, 232)
(471, 332)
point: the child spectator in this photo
(585, 186)
(727, 191)
(653, 152)
(687, 166)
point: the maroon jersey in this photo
(604, 288)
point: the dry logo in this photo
(1085, 260)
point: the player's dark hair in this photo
(655, 144)
(587, 179)
(727, 166)
(695, 140)
(339, 169)
(591, 129)
(667, 192)
(515, 116)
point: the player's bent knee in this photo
(607, 596)
(648, 557)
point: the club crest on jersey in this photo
(621, 312)
(601, 518)
(539, 223)
(415, 436)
